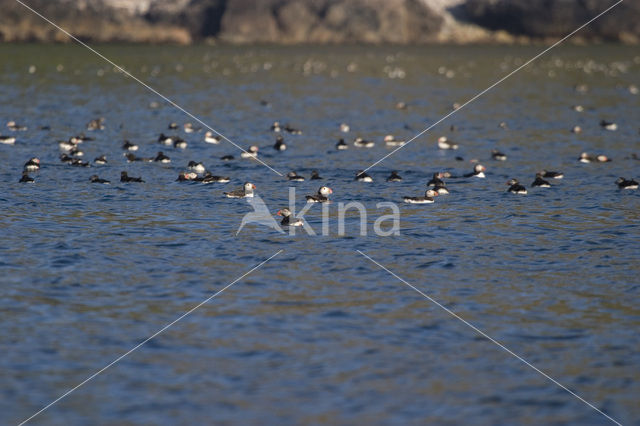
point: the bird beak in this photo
(253, 186)
(279, 213)
(330, 191)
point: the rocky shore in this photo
(318, 21)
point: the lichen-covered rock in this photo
(329, 21)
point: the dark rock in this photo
(556, 18)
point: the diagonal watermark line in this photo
(485, 335)
(563, 39)
(148, 338)
(128, 74)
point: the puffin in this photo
(124, 177)
(478, 171)
(293, 176)
(96, 179)
(32, 165)
(515, 187)
(429, 196)
(361, 176)
(288, 219)
(389, 140)
(209, 137)
(626, 184)
(129, 146)
(196, 167)
(362, 143)
(280, 145)
(161, 158)
(539, 182)
(322, 196)
(394, 177)
(209, 178)
(436, 180)
(252, 152)
(444, 143)
(187, 176)
(246, 191)
(550, 175)
(315, 175)
(498, 156)
(587, 158)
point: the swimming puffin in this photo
(288, 219)
(209, 137)
(361, 176)
(187, 176)
(15, 127)
(180, 143)
(626, 184)
(394, 177)
(32, 165)
(478, 171)
(436, 179)
(550, 175)
(246, 191)
(7, 140)
(196, 167)
(539, 182)
(190, 128)
(96, 179)
(429, 196)
(252, 152)
(322, 195)
(498, 156)
(362, 143)
(315, 175)
(292, 130)
(600, 158)
(444, 143)
(129, 146)
(293, 176)
(161, 158)
(389, 140)
(165, 140)
(209, 178)
(280, 145)
(441, 189)
(124, 177)
(608, 125)
(515, 187)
